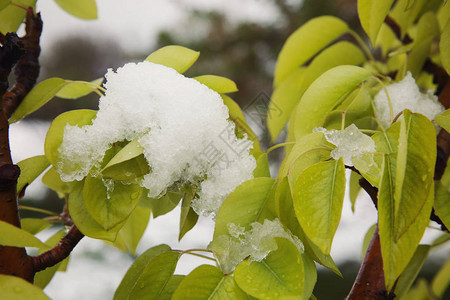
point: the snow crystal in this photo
(181, 124)
(405, 94)
(256, 243)
(350, 143)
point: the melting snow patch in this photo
(256, 243)
(182, 126)
(350, 143)
(405, 94)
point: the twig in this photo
(27, 69)
(59, 252)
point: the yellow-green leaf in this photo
(13, 236)
(208, 282)
(37, 97)
(188, 217)
(81, 218)
(318, 199)
(34, 226)
(52, 180)
(4, 3)
(12, 16)
(31, 168)
(109, 208)
(83, 9)
(442, 280)
(133, 229)
(176, 57)
(258, 197)
(443, 119)
(414, 169)
(305, 42)
(55, 133)
(372, 15)
(325, 93)
(281, 274)
(220, 84)
(133, 274)
(155, 276)
(78, 89)
(15, 288)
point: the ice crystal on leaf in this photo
(351, 144)
(255, 243)
(405, 94)
(180, 124)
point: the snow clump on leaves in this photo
(351, 144)
(405, 94)
(182, 126)
(255, 243)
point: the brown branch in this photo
(59, 252)
(27, 69)
(369, 283)
(10, 52)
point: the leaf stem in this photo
(278, 146)
(391, 109)
(363, 45)
(44, 211)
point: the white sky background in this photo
(136, 23)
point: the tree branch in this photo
(27, 69)
(59, 252)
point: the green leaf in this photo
(133, 274)
(81, 218)
(15, 288)
(397, 253)
(372, 15)
(16, 237)
(208, 282)
(171, 287)
(414, 169)
(443, 120)
(411, 271)
(42, 278)
(127, 170)
(280, 274)
(220, 84)
(155, 276)
(188, 217)
(442, 203)
(176, 57)
(12, 16)
(427, 30)
(305, 42)
(420, 291)
(325, 93)
(110, 208)
(4, 3)
(284, 99)
(30, 168)
(238, 118)
(52, 180)
(355, 188)
(34, 226)
(318, 199)
(367, 238)
(37, 97)
(163, 205)
(78, 89)
(131, 150)
(55, 133)
(133, 229)
(83, 9)
(286, 214)
(258, 195)
(262, 166)
(441, 280)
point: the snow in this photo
(351, 144)
(405, 94)
(257, 243)
(182, 126)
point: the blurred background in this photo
(237, 39)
